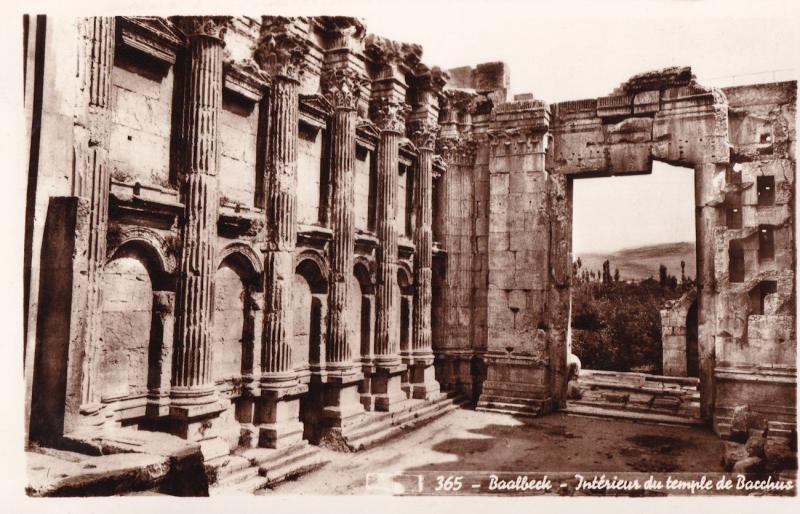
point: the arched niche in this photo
(234, 326)
(134, 321)
(405, 313)
(309, 310)
(360, 307)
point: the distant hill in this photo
(642, 262)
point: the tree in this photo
(606, 272)
(616, 275)
(662, 275)
(683, 271)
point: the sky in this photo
(612, 213)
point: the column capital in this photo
(281, 51)
(207, 26)
(389, 114)
(459, 100)
(343, 87)
(457, 150)
(423, 133)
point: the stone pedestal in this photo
(515, 383)
(278, 417)
(386, 388)
(422, 376)
(199, 423)
(342, 399)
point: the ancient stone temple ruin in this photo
(279, 233)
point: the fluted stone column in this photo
(342, 86)
(281, 207)
(91, 183)
(388, 113)
(422, 375)
(281, 52)
(193, 395)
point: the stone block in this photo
(498, 241)
(517, 299)
(755, 445)
(616, 397)
(780, 453)
(749, 465)
(734, 452)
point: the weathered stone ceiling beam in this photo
(625, 132)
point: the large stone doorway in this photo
(632, 237)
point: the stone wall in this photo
(259, 194)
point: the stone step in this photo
(510, 405)
(259, 456)
(373, 418)
(401, 418)
(246, 487)
(511, 412)
(308, 462)
(287, 460)
(678, 410)
(373, 424)
(643, 417)
(640, 378)
(512, 400)
(505, 406)
(270, 466)
(414, 420)
(633, 388)
(368, 441)
(780, 428)
(242, 471)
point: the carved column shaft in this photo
(423, 258)
(386, 339)
(91, 180)
(281, 213)
(192, 354)
(343, 149)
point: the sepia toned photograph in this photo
(464, 250)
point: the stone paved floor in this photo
(466, 440)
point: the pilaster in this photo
(91, 181)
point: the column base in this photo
(343, 409)
(423, 381)
(194, 416)
(157, 405)
(278, 417)
(342, 401)
(387, 388)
